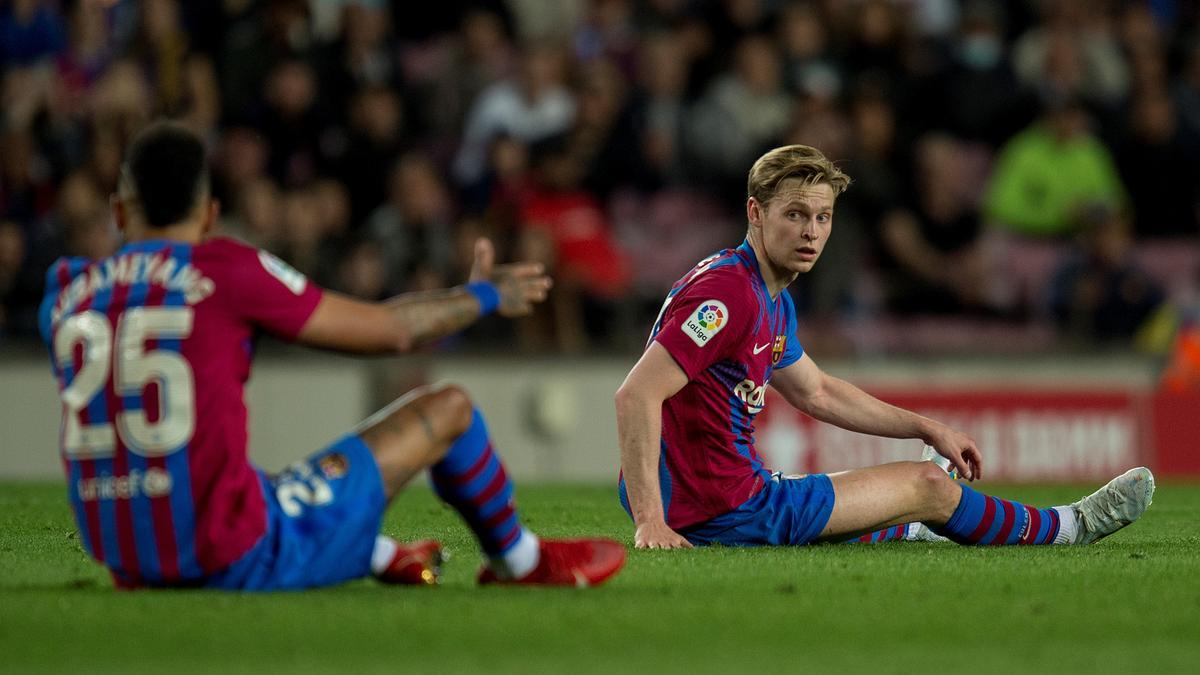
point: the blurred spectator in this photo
(375, 141)
(931, 254)
(877, 33)
(361, 57)
(564, 227)
(1073, 51)
(978, 96)
(604, 138)
(533, 107)
(90, 52)
(1100, 294)
(1187, 88)
(363, 272)
(256, 216)
(607, 33)
(481, 55)
(30, 31)
(26, 189)
(121, 101)
(201, 105)
(162, 47)
(659, 110)
(413, 230)
(12, 256)
(292, 124)
(1159, 161)
(1048, 171)
(744, 112)
(83, 220)
(239, 159)
(304, 242)
(807, 48)
(547, 20)
(510, 180)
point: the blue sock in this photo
(472, 480)
(980, 519)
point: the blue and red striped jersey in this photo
(728, 334)
(152, 348)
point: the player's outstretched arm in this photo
(654, 379)
(836, 401)
(407, 321)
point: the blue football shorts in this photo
(785, 512)
(323, 514)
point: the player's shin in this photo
(982, 519)
(472, 480)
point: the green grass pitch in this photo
(1128, 604)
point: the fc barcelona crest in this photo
(777, 349)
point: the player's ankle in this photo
(519, 560)
(383, 553)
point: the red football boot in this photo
(415, 564)
(568, 562)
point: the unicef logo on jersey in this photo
(706, 321)
(752, 394)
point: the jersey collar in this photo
(147, 245)
(747, 253)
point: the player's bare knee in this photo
(941, 493)
(932, 483)
(451, 409)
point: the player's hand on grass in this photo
(959, 448)
(658, 535)
(521, 285)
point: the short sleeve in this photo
(268, 293)
(792, 349)
(706, 322)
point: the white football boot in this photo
(921, 532)
(1113, 506)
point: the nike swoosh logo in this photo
(758, 349)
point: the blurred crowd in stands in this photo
(1026, 173)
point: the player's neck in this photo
(774, 277)
(184, 232)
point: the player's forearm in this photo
(842, 404)
(639, 429)
(428, 315)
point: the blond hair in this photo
(792, 161)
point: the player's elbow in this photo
(626, 398)
(631, 400)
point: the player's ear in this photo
(211, 218)
(120, 217)
(754, 212)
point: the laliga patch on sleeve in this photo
(706, 321)
(285, 273)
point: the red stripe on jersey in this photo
(126, 531)
(985, 523)
(164, 529)
(124, 510)
(91, 510)
(160, 507)
(1010, 519)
